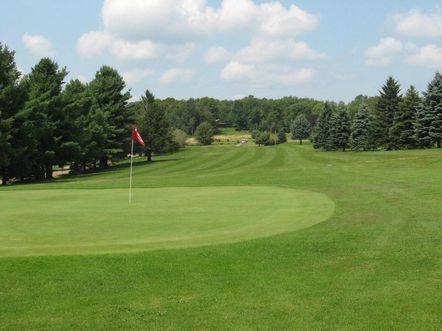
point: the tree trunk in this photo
(5, 178)
(48, 171)
(149, 155)
(438, 144)
(300, 141)
(84, 166)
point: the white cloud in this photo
(381, 54)
(38, 45)
(139, 50)
(261, 50)
(135, 75)
(93, 43)
(216, 55)
(238, 71)
(82, 79)
(416, 23)
(266, 74)
(182, 20)
(175, 75)
(429, 56)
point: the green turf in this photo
(91, 221)
(376, 263)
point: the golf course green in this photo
(229, 237)
(91, 221)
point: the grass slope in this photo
(375, 264)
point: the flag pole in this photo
(131, 161)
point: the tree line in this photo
(45, 122)
(393, 122)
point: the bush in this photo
(204, 133)
(179, 137)
(261, 138)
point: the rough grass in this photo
(375, 264)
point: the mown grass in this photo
(375, 264)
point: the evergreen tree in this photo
(108, 90)
(422, 126)
(360, 131)
(323, 127)
(78, 103)
(402, 132)
(41, 116)
(281, 137)
(340, 132)
(9, 77)
(433, 102)
(300, 128)
(386, 108)
(154, 127)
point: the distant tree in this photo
(281, 137)
(154, 126)
(204, 133)
(323, 127)
(9, 78)
(402, 133)
(261, 138)
(341, 131)
(387, 107)
(108, 89)
(360, 133)
(433, 102)
(300, 128)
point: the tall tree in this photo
(300, 128)
(341, 130)
(386, 108)
(433, 102)
(41, 115)
(323, 127)
(108, 89)
(360, 133)
(154, 126)
(422, 126)
(9, 77)
(402, 132)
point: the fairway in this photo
(226, 237)
(101, 221)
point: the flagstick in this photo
(131, 161)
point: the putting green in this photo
(56, 222)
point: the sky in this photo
(228, 49)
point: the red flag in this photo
(136, 136)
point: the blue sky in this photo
(329, 50)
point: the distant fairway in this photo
(340, 241)
(92, 221)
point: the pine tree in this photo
(108, 90)
(154, 126)
(402, 132)
(360, 132)
(322, 130)
(300, 128)
(386, 108)
(41, 115)
(340, 134)
(433, 101)
(9, 76)
(422, 126)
